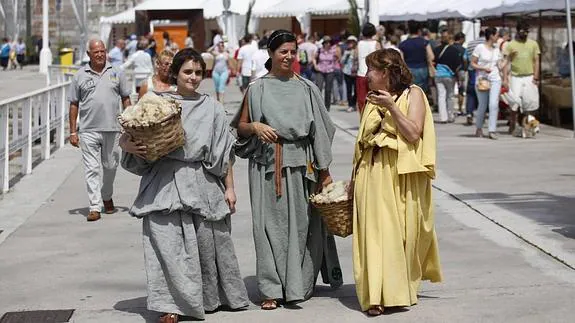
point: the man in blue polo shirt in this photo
(94, 95)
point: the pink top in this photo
(327, 60)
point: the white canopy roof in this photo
(294, 8)
(433, 9)
(514, 6)
(125, 17)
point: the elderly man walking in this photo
(95, 94)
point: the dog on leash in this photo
(529, 126)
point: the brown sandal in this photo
(269, 304)
(169, 318)
(375, 310)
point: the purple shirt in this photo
(327, 60)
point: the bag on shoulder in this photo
(483, 84)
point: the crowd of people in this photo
(284, 129)
(186, 198)
(12, 54)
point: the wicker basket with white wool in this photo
(335, 208)
(156, 123)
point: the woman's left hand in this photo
(381, 98)
(324, 180)
(230, 197)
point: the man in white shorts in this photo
(95, 94)
(523, 54)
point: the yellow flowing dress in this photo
(394, 240)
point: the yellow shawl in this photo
(378, 128)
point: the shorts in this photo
(4, 61)
(525, 92)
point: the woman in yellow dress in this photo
(394, 241)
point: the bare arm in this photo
(536, 68)
(246, 128)
(475, 65)
(411, 126)
(73, 126)
(126, 102)
(430, 55)
(239, 67)
(378, 45)
(230, 194)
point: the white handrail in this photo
(26, 118)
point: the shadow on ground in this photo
(137, 306)
(84, 211)
(548, 209)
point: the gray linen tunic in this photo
(292, 244)
(190, 259)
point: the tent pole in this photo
(571, 58)
(540, 42)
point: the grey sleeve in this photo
(221, 153)
(74, 90)
(323, 130)
(135, 164)
(125, 89)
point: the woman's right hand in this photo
(129, 145)
(265, 133)
(349, 189)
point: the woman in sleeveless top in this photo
(160, 80)
(394, 240)
(220, 72)
(365, 47)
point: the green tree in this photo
(353, 19)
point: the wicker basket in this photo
(337, 216)
(160, 138)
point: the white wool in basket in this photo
(150, 109)
(334, 192)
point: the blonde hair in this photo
(166, 53)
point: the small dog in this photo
(529, 126)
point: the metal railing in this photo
(26, 118)
(38, 115)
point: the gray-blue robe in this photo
(190, 259)
(291, 241)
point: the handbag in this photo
(483, 84)
(443, 70)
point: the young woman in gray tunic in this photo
(185, 200)
(285, 131)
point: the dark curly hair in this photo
(390, 61)
(184, 55)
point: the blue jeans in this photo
(421, 77)
(488, 99)
(220, 80)
(471, 99)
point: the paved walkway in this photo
(53, 259)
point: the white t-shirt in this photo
(364, 48)
(488, 58)
(259, 62)
(246, 54)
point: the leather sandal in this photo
(169, 318)
(375, 310)
(269, 304)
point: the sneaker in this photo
(469, 120)
(479, 133)
(109, 207)
(493, 135)
(93, 216)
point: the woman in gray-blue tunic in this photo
(186, 199)
(285, 131)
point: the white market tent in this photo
(213, 9)
(303, 10)
(523, 6)
(401, 10)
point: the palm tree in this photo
(249, 16)
(353, 20)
